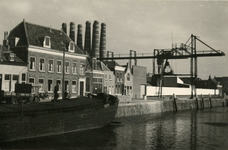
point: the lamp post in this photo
(63, 80)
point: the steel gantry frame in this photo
(184, 51)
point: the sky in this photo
(140, 25)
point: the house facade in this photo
(13, 70)
(128, 81)
(51, 56)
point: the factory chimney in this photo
(103, 41)
(79, 37)
(72, 31)
(95, 40)
(64, 27)
(87, 44)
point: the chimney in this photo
(103, 41)
(5, 41)
(79, 37)
(64, 27)
(72, 31)
(87, 41)
(1, 52)
(95, 40)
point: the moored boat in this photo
(36, 119)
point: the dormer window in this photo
(71, 47)
(47, 42)
(12, 56)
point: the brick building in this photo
(42, 48)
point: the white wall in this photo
(11, 70)
(153, 91)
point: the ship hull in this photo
(43, 119)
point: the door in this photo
(81, 88)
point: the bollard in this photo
(210, 100)
(174, 102)
(197, 106)
(202, 101)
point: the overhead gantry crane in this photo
(184, 51)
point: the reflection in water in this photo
(203, 129)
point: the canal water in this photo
(185, 130)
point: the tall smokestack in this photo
(79, 37)
(64, 27)
(95, 40)
(103, 41)
(72, 31)
(87, 44)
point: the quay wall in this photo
(142, 107)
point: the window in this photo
(7, 82)
(74, 87)
(50, 65)
(106, 77)
(59, 64)
(74, 68)
(81, 68)
(41, 83)
(110, 77)
(12, 56)
(41, 64)
(128, 76)
(117, 77)
(47, 42)
(121, 79)
(32, 81)
(60, 86)
(32, 62)
(71, 47)
(67, 66)
(99, 80)
(23, 78)
(50, 86)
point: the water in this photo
(187, 130)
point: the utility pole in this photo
(63, 80)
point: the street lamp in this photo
(63, 80)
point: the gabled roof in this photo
(35, 35)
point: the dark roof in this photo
(111, 64)
(102, 66)
(5, 57)
(35, 35)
